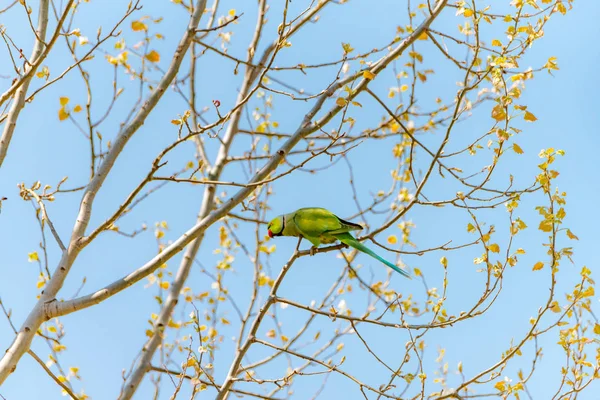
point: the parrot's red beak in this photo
(270, 233)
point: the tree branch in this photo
(38, 314)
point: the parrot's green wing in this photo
(351, 241)
(314, 222)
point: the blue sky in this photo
(103, 340)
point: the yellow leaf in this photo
(554, 307)
(423, 36)
(159, 234)
(498, 112)
(64, 101)
(153, 56)
(444, 262)
(545, 226)
(164, 285)
(263, 279)
(517, 149)
(190, 362)
(339, 346)
(538, 265)
(368, 75)
(271, 334)
(529, 117)
(589, 292)
(494, 248)
(138, 26)
(499, 385)
(262, 127)
(33, 256)
(347, 48)
(45, 72)
(496, 42)
(62, 114)
(470, 228)
(77, 108)
(403, 88)
(551, 64)
(231, 12)
(417, 56)
(176, 121)
(392, 239)
(468, 13)
(571, 235)
(340, 101)
(597, 329)
(284, 338)
(417, 271)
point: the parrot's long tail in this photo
(348, 239)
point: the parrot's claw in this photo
(312, 251)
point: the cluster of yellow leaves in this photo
(63, 112)
(527, 116)
(42, 279)
(120, 59)
(416, 55)
(160, 227)
(267, 250)
(506, 388)
(264, 279)
(405, 227)
(44, 72)
(224, 240)
(225, 244)
(551, 217)
(394, 90)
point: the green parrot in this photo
(318, 225)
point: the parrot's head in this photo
(276, 226)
